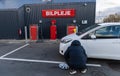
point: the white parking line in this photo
(30, 60)
(14, 50)
(42, 61)
(94, 65)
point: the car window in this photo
(87, 29)
(108, 32)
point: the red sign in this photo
(57, 13)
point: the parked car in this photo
(99, 41)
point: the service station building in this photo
(16, 14)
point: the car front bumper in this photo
(63, 47)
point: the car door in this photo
(105, 45)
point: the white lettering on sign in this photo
(47, 13)
(58, 13)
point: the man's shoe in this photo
(84, 71)
(73, 72)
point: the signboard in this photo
(58, 13)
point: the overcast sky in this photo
(105, 4)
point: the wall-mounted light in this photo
(85, 4)
(40, 21)
(74, 21)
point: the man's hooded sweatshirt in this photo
(75, 55)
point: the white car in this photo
(99, 41)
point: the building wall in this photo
(13, 19)
(8, 24)
(82, 13)
(10, 21)
(21, 22)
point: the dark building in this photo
(15, 14)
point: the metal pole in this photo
(26, 39)
(41, 31)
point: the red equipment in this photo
(34, 32)
(71, 29)
(53, 30)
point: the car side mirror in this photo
(93, 36)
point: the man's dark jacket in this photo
(75, 56)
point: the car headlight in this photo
(66, 40)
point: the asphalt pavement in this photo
(42, 59)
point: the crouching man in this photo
(76, 57)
